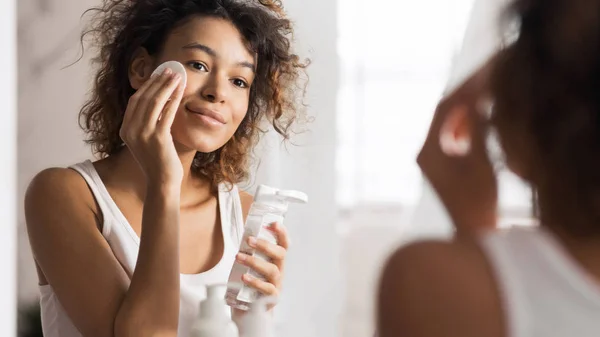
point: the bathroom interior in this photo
(377, 71)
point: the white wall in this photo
(312, 302)
(49, 99)
(312, 296)
(8, 110)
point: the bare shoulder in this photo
(435, 288)
(56, 176)
(55, 190)
(70, 252)
(246, 199)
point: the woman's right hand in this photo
(146, 128)
(465, 182)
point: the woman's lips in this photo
(207, 116)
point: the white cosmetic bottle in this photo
(270, 206)
(213, 320)
(258, 322)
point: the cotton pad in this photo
(176, 67)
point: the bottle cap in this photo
(257, 321)
(266, 193)
(213, 319)
(293, 196)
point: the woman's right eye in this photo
(198, 66)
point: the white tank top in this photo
(124, 243)
(545, 293)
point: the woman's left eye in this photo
(240, 83)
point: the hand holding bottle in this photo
(272, 270)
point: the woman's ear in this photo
(141, 68)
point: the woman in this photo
(534, 282)
(125, 245)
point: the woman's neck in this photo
(129, 175)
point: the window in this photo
(396, 58)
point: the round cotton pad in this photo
(175, 67)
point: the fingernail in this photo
(167, 71)
(247, 277)
(252, 242)
(241, 257)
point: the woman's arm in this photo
(151, 306)
(75, 258)
(89, 281)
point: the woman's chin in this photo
(203, 144)
(206, 148)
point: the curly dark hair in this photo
(547, 90)
(120, 27)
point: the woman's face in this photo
(220, 71)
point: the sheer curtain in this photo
(310, 299)
(398, 58)
(395, 61)
(395, 57)
(484, 35)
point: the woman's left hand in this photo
(273, 270)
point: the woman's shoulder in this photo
(449, 283)
(56, 180)
(58, 189)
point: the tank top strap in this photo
(90, 175)
(231, 211)
(555, 258)
(499, 249)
